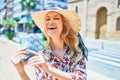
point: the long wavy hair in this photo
(73, 40)
(68, 35)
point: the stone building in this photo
(100, 18)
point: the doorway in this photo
(101, 23)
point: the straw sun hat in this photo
(72, 17)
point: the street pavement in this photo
(105, 62)
(8, 71)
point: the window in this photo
(118, 24)
(76, 9)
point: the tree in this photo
(28, 5)
(9, 31)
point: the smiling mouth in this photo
(52, 28)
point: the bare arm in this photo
(19, 64)
(79, 72)
(59, 74)
(23, 75)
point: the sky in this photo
(1, 4)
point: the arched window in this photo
(118, 24)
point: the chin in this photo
(51, 35)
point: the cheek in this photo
(46, 25)
(61, 26)
(45, 28)
(60, 29)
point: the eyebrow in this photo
(55, 15)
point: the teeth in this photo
(51, 27)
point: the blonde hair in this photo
(70, 38)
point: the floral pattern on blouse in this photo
(77, 73)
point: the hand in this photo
(17, 60)
(37, 60)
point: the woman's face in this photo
(53, 23)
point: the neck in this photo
(58, 44)
(58, 47)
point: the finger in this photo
(32, 52)
(22, 52)
(40, 57)
(36, 63)
(35, 60)
(19, 56)
(23, 49)
(18, 59)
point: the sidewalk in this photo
(103, 44)
(9, 48)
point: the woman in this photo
(62, 59)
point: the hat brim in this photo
(72, 17)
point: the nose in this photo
(51, 21)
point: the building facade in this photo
(56, 3)
(100, 19)
(13, 9)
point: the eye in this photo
(47, 19)
(57, 18)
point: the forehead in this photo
(53, 13)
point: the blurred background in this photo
(100, 31)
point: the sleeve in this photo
(79, 71)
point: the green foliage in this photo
(10, 22)
(28, 4)
(16, 19)
(29, 24)
(10, 35)
(1, 25)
